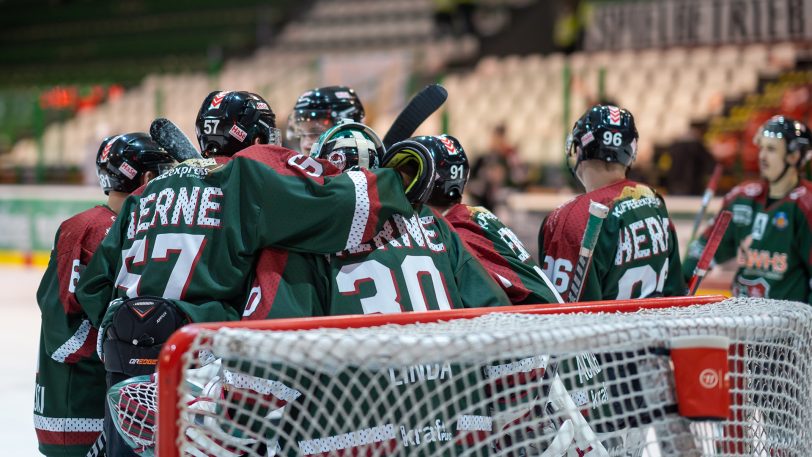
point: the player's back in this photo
(636, 255)
(414, 263)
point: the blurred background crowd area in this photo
(698, 76)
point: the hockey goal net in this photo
(563, 380)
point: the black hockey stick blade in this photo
(420, 107)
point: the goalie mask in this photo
(123, 160)
(318, 110)
(605, 133)
(350, 144)
(229, 122)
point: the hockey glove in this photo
(134, 331)
(416, 165)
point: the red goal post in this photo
(171, 362)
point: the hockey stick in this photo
(420, 107)
(597, 214)
(170, 137)
(719, 228)
(710, 191)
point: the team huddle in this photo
(253, 230)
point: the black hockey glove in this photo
(134, 331)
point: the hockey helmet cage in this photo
(349, 144)
(122, 161)
(794, 133)
(229, 121)
(605, 133)
(329, 104)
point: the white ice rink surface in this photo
(19, 337)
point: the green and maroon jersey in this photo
(70, 384)
(194, 233)
(414, 263)
(636, 255)
(771, 241)
(502, 254)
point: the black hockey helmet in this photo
(229, 121)
(122, 161)
(794, 133)
(326, 106)
(452, 168)
(349, 144)
(604, 132)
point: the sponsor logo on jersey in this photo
(237, 133)
(751, 288)
(262, 105)
(218, 99)
(614, 115)
(759, 226)
(128, 170)
(420, 373)
(143, 361)
(760, 260)
(780, 220)
(587, 138)
(752, 190)
(797, 193)
(742, 214)
(422, 435)
(449, 145)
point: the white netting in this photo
(508, 384)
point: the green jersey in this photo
(502, 254)
(636, 255)
(771, 241)
(70, 387)
(194, 233)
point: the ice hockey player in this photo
(493, 243)
(70, 385)
(770, 234)
(636, 255)
(416, 253)
(318, 110)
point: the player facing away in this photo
(70, 386)
(493, 243)
(771, 232)
(318, 110)
(414, 263)
(636, 255)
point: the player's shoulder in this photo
(747, 190)
(97, 218)
(802, 195)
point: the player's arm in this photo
(674, 284)
(477, 287)
(297, 207)
(727, 247)
(96, 286)
(66, 334)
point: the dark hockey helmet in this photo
(794, 133)
(451, 165)
(604, 132)
(349, 144)
(228, 122)
(417, 155)
(122, 161)
(321, 108)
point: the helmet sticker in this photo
(262, 105)
(106, 152)
(238, 133)
(343, 94)
(587, 138)
(338, 158)
(215, 102)
(449, 145)
(614, 115)
(128, 170)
